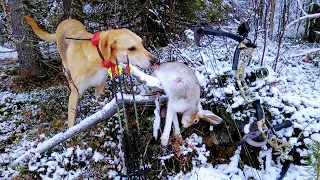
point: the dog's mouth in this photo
(155, 67)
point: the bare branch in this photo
(301, 8)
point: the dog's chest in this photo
(97, 78)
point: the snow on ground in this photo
(292, 93)
(7, 53)
(20, 136)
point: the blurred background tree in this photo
(22, 38)
(312, 31)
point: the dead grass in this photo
(29, 83)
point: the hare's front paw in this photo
(164, 139)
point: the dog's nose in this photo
(154, 61)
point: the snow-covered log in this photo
(105, 113)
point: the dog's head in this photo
(122, 42)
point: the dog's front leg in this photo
(167, 128)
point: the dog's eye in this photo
(132, 49)
(195, 121)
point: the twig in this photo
(147, 145)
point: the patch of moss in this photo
(8, 71)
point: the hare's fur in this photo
(183, 90)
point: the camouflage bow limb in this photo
(244, 57)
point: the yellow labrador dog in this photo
(82, 60)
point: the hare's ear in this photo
(208, 116)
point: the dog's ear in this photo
(106, 41)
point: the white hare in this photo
(183, 90)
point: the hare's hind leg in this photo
(177, 132)
(167, 128)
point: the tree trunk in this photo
(272, 10)
(284, 13)
(66, 9)
(23, 39)
(281, 30)
(4, 31)
(265, 33)
(255, 21)
(72, 9)
(261, 12)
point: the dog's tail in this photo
(40, 33)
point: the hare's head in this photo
(193, 117)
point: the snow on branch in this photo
(309, 16)
(301, 8)
(8, 51)
(105, 113)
